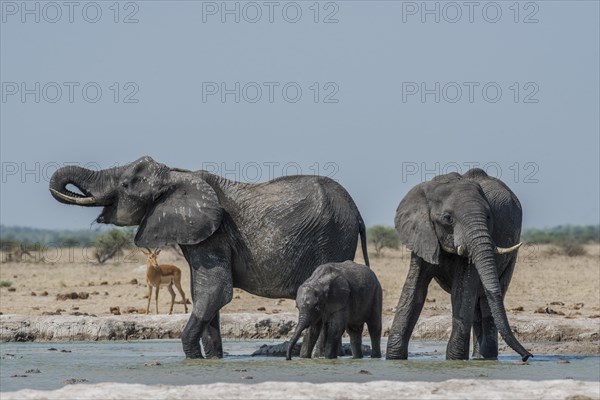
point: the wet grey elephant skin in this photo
(463, 232)
(339, 297)
(263, 238)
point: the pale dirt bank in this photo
(542, 334)
(450, 389)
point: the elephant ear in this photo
(414, 225)
(187, 213)
(337, 292)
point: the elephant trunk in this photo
(481, 251)
(94, 186)
(302, 324)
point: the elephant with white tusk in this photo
(263, 238)
(463, 232)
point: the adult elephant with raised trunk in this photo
(463, 232)
(265, 238)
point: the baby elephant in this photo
(339, 297)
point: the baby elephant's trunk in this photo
(301, 326)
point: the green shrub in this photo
(5, 283)
(112, 243)
(383, 236)
(566, 248)
(572, 249)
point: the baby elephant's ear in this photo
(338, 290)
(187, 213)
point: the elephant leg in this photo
(212, 289)
(172, 292)
(211, 338)
(190, 337)
(477, 331)
(355, 333)
(374, 326)
(488, 344)
(409, 308)
(340, 351)
(333, 334)
(465, 286)
(311, 338)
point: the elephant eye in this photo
(447, 219)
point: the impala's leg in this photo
(157, 290)
(170, 287)
(149, 299)
(180, 290)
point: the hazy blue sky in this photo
(389, 97)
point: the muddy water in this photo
(162, 362)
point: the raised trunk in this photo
(94, 185)
(481, 251)
(299, 328)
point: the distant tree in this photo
(14, 250)
(565, 234)
(383, 236)
(112, 243)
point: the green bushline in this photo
(580, 234)
(33, 237)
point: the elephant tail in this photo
(363, 239)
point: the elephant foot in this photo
(397, 348)
(193, 354)
(396, 356)
(190, 338)
(481, 358)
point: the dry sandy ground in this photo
(553, 300)
(570, 286)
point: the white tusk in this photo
(502, 250)
(82, 201)
(460, 250)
